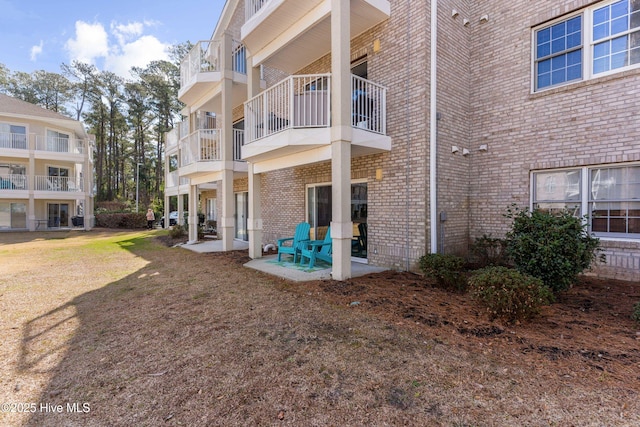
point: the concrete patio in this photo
(285, 269)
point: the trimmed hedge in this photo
(121, 220)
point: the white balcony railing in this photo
(14, 182)
(202, 145)
(251, 7)
(304, 102)
(297, 101)
(238, 142)
(59, 145)
(203, 57)
(369, 105)
(57, 183)
(172, 179)
(43, 143)
(239, 57)
(13, 140)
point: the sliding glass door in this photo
(57, 215)
(242, 213)
(319, 207)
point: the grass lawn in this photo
(109, 328)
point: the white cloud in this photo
(127, 47)
(91, 42)
(36, 51)
(125, 32)
(137, 53)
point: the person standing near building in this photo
(150, 218)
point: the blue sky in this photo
(111, 34)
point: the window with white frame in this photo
(614, 201)
(609, 196)
(601, 39)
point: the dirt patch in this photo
(146, 334)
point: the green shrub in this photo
(487, 250)
(636, 312)
(446, 270)
(177, 231)
(121, 220)
(554, 247)
(509, 294)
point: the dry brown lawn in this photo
(109, 328)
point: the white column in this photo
(341, 225)
(255, 180)
(255, 216)
(31, 180)
(193, 213)
(226, 124)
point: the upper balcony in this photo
(289, 34)
(201, 73)
(46, 146)
(201, 154)
(286, 121)
(41, 183)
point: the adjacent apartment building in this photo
(46, 169)
(411, 126)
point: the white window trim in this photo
(584, 194)
(587, 47)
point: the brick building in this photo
(375, 112)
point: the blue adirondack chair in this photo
(317, 249)
(301, 235)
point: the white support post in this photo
(228, 208)
(255, 180)
(255, 218)
(193, 213)
(341, 225)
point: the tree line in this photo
(129, 118)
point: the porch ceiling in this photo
(289, 34)
(297, 147)
(206, 172)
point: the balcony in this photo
(201, 155)
(289, 124)
(201, 74)
(50, 144)
(13, 182)
(289, 34)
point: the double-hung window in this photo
(559, 53)
(600, 39)
(609, 196)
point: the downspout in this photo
(433, 123)
(408, 121)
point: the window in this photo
(57, 141)
(597, 40)
(559, 53)
(557, 190)
(319, 209)
(12, 136)
(616, 36)
(609, 196)
(13, 215)
(614, 200)
(239, 59)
